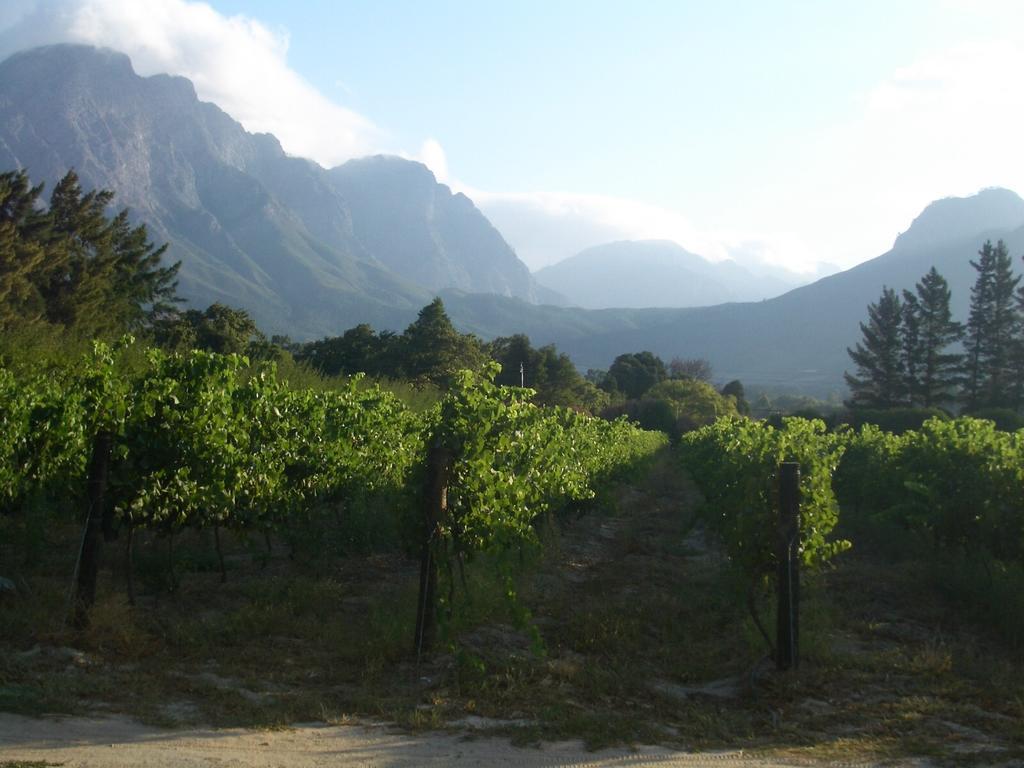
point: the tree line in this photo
(68, 271)
(914, 354)
(66, 264)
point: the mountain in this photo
(307, 251)
(654, 273)
(795, 341)
(310, 251)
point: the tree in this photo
(433, 350)
(547, 371)
(359, 350)
(634, 373)
(690, 368)
(22, 257)
(879, 381)
(694, 402)
(1017, 357)
(929, 329)
(104, 274)
(71, 266)
(734, 389)
(991, 330)
(218, 328)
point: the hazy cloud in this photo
(545, 227)
(432, 155)
(236, 62)
(945, 125)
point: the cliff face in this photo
(308, 251)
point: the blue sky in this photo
(795, 132)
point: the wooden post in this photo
(435, 509)
(89, 562)
(788, 615)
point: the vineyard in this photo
(202, 441)
(281, 553)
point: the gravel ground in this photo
(118, 741)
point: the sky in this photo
(791, 132)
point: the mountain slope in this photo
(653, 273)
(797, 340)
(307, 251)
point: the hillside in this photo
(797, 340)
(305, 250)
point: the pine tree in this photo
(931, 372)
(1017, 357)
(22, 258)
(880, 379)
(911, 350)
(991, 330)
(102, 274)
(434, 350)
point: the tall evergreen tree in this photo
(71, 266)
(991, 330)
(104, 274)
(434, 350)
(1017, 357)
(22, 257)
(910, 340)
(929, 329)
(880, 378)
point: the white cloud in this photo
(432, 155)
(545, 227)
(236, 62)
(947, 124)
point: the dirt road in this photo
(117, 741)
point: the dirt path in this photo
(116, 742)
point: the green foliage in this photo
(634, 373)
(207, 440)
(735, 462)
(513, 460)
(965, 485)
(73, 267)
(868, 477)
(550, 373)
(929, 329)
(991, 329)
(734, 389)
(960, 482)
(1006, 419)
(218, 328)
(880, 379)
(898, 420)
(433, 351)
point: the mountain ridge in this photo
(252, 226)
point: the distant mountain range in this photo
(795, 341)
(655, 273)
(306, 250)
(311, 252)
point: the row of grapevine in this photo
(735, 463)
(204, 440)
(960, 481)
(198, 440)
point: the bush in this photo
(895, 420)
